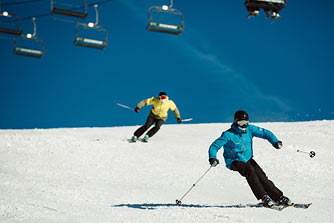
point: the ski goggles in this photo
(162, 97)
(242, 123)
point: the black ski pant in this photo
(150, 120)
(257, 179)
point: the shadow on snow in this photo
(152, 206)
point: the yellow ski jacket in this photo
(160, 109)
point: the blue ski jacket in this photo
(238, 145)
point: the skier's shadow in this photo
(151, 206)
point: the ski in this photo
(276, 207)
(280, 207)
(138, 140)
(299, 205)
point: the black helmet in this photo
(162, 93)
(240, 115)
(241, 119)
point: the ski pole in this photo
(179, 201)
(311, 153)
(124, 106)
(187, 119)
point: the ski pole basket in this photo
(74, 8)
(165, 19)
(29, 44)
(91, 34)
(10, 24)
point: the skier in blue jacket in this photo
(238, 155)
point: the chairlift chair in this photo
(91, 34)
(29, 44)
(274, 6)
(82, 31)
(165, 19)
(10, 24)
(68, 8)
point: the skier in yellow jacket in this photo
(158, 115)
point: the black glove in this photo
(137, 109)
(278, 145)
(213, 162)
(178, 120)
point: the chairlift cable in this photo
(21, 3)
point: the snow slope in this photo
(95, 175)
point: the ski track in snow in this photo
(95, 175)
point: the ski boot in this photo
(253, 13)
(145, 139)
(267, 201)
(134, 139)
(283, 200)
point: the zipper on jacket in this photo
(232, 152)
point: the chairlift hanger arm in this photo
(96, 15)
(171, 4)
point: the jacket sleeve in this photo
(217, 145)
(145, 102)
(175, 110)
(264, 134)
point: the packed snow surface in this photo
(89, 175)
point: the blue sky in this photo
(222, 62)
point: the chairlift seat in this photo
(70, 8)
(160, 25)
(34, 49)
(84, 37)
(12, 30)
(28, 52)
(82, 15)
(266, 4)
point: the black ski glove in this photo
(178, 120)
(213, 162)
(137, 109)
(278, 145)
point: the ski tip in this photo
(298, 205)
